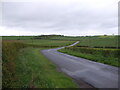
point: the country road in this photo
(83, 71)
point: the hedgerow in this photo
(9, 51)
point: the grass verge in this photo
(105, 56)
(33, 70)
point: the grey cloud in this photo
(54, 17)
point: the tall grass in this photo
(9, 51)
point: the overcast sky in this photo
(66, 17)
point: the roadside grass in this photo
(23, 66)
(106, 56)
(33, 70)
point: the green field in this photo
(105, 41)
(56, 43)
(38, 42)
(100, 41)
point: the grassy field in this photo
(37, 42)
(100, 42)
(105, 41)
(106, 56)
(56, 43)
(25, 67)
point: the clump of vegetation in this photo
(107, 56)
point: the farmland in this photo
(102, 41)
(54, 43)
(22, 60)
(38, 42)
(99, 41)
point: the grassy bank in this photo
(106, 56)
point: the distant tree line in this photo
(46, 36)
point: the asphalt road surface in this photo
(84, 71)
